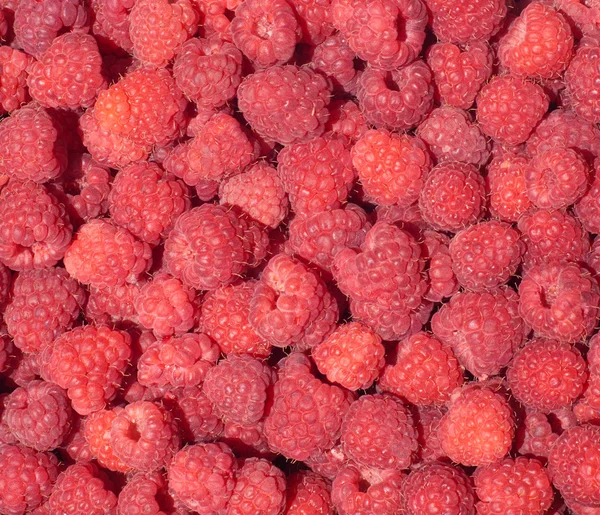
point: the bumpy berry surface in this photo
(146, 494)
(583, 71)
(13, 83)
(505, 180)
(308, 492)
(96, 431)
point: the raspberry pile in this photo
(299, 257)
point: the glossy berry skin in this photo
(579, 77)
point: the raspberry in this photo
(451, 136)
(146, 494)
(459, 72)
(146, 201)
(44, 304)
(441, 278)
(112, 304)
(424, 372)
(178, 361)
(7, 351)
(314, 18)
(478, 428)
(96, 431)
(225, 313)
(546, 375)
(328, 463)
(559, 301)
(247, 441)
(398, 99)
(144, 436)
(159, 28)
(346, 121)
(266, 31)
(202, 477)
(384, 281)
(259, 192)
(535, 437)
(335, 59)
(308, 493)
(13, 83)
(285, 103)
(291, 305)
(437, 488)
(391, 167)
(39, 415)
(317, 175)
(351, 356)
(506, 185)
(89, 362)
(386, 34)
(309, 424)
(453, 197)
(486, 255)
(104, 255)
(580, 77)
(508, 108)
(427, 421)
(216, 17)
(483, 329)
(111, 24)
(260, 488)
(208, 71)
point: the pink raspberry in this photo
(314, 18)
(398, 99)
(535, 436)
(328, 463)
(580, 77)
(13, 83)
(247, 441)
(453, 197)
(346, 121)
(7, 352)
(483, 329)
(508, 108)
(427, 421)
(146, 494)
(104, 255)
(216, 16)
(96, 431)
(335, 59)
(441, 279)
(111, 24)
(44, 304)
(112, 304)
(308, 493)
(459, 72)
(317, 175)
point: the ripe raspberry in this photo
(508, 108)
(104, 255)
(44, 304)
(479, 426)
(335, 59)
(225, 313)
(506, 185)
(483, 329)
(112, 304)
(202, 477)
(351, 356)
(111, 24)
(346, 121)
(159, 28)
(308, 493)
(486, 255)
(384, 281)
(39, 415)
(13, 82)
(398, 99)
(147, 494)
(216, 17)
(451, 136)
(177, 361)
(7, 352)
(285, 103)
(580, 77)
(328, 463)
(535, 436)
(96, 431)
(441, 279)
(546, 375)
(317, 175)
(459, 72)
(424, 372)
(427, 421)
(247, 441)
(89, 363)
(437, 488)
(453, 197)
(559, 301)
(314, 18)
(391, 167)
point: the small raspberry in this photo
(96, 431)
(580, 77)
(247, 441)
(427, 421)
(335, 59)
(13, 82)
(308, 494)
(535, 436)
(146, 494)
(314, 17)
(328, 463)
(112, 304)
(111, 24)
(216, 17)
(441, 279)
(346, 121)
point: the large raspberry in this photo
(580, 77)
(308, 493)
(96, 431)
(506, 185)
(13, 82)
(147, 494)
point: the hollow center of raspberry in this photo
(133, 433)
(390, 83)
(363, 485)
(264, 27)
(548, 296)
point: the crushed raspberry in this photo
(442, 281)
(346, 121)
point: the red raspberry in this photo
(559, 301)
(479, 426)
(97, 430)
(441, 278)
(7, 352)
(317, 175)
(247, 441)
(285, 103)
(387, 34)
(580, 77)
(308, 494)
(314, 17)
(508, 108)
(328, 463)
(75, 447)
(238, 387)
(112, 304)
(535, 436)
(202, 477)
(260, 488)
(111, 24)
(384, 281)
(144, 436)
(225, 313)
(335, 59)
(216, 17)
(39, 415)
(391, 167)
(351, 356)
(104, 255)
(147, 494)
(89, 363)
(546, 375)
(453, 197)
(398, 99)
(437, 488)
(346, 121)
(159, 28)
(483, 329)
(506, 186)
(177, 361)
(424, 372)
(451, 136)
(13, 82)
(486, 255)
(44, 304)
(378, 432)
(460, 72)
(578, 508)
(311, 423)
(291, 305)
(427, 421)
